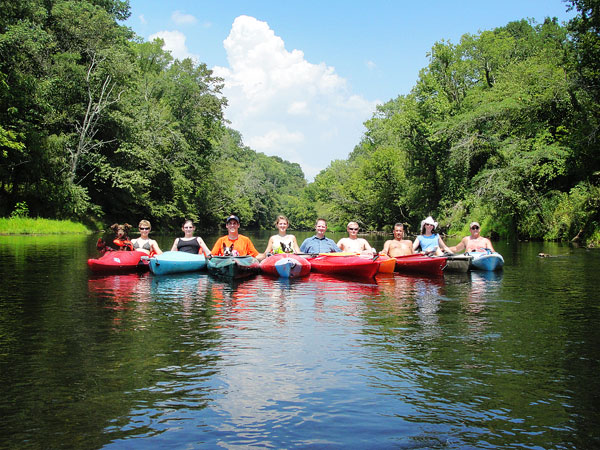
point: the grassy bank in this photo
(26, 225)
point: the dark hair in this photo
(186, 221)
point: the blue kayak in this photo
(174, 262)
(486, 260)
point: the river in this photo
(508, 359)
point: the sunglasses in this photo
(353, 229)
(474, 227)
(144, 228)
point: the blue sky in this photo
(303, 76)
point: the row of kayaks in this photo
(292, 266)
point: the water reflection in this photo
(482, 359)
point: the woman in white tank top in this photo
(282, 242)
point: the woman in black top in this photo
(190, 243)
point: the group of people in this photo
(236, 244)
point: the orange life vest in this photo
(125, 244)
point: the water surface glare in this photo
(479, 360)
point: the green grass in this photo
(26, 225)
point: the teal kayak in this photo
(174, 262)
(233, 267)
(486, 260)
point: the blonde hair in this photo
(281, 218)
(144, 223)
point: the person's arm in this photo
(386, 249)
(416, 244)
(367, 247)
(340, 244)
(333, 246)
(204, 248)
(250, 250)
(460, 246)
(304, 246)
(269, 248)
(216, 250)
(295, 245)
(488, 242)
(443, 245)
(174, 248)
(154, 246)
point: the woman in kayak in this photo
(428, 241)
(144, 243)
(282, 242)
(190, 243)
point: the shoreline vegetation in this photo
(500, 127)
(28, 225)
(38, 226)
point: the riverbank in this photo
(27, 225)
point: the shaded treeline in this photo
(501, 127)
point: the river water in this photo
(479, 360)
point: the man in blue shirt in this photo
(319, 243)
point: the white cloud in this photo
(298, 108)
(142, 19)
(284, 105)
(183, 19)
(175, 43)
(371, 65)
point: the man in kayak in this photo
(235, 244)
(319, 243)
(475, 242)
(397, 246)
(353, 243)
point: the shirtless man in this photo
(353, 243)
(474, 242)
(397, 246)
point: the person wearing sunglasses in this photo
(474, 242)
(428, 241)
(190, 243)
(144, 243)
(353, 243)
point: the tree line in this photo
(501, 127)
(98, 125)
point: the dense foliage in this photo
(96, 124)
(501, 127)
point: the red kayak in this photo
(418, 263)
(348, 265)
(119, 261)
(285, 265)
